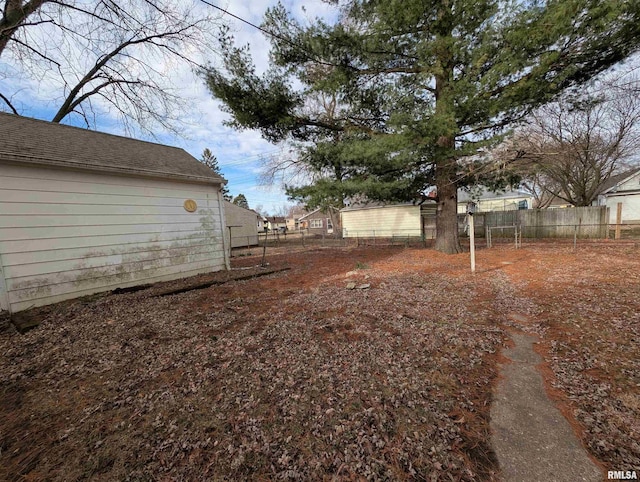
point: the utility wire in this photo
(250, 159)
(309, 55)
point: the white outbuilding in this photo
(389, 220)
(83, 212)
(242, 224)
(624, 190)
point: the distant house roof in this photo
(230, 205)
(276, 219)
(313, 212)
(258, 214)
(379, 205)
(557, 202)
(464, 196)
(27, 140)
(610, 184)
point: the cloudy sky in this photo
(239, 152)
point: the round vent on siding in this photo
(190, 205)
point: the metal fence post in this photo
(472, 242)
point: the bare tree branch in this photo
(126, 48)
(14, 15)
(574, 146)
(37, 52)
(9, 104)
(71, 100)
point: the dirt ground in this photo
(293, 376)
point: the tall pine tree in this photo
(241, 200)
(211, 161)
(421, 87)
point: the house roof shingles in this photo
(27, 140)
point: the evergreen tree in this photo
(209, 160)
(241, 200)
(422, 88)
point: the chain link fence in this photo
(576, 233)
(275, 242)
(282, 242)
(488, 231)
(582, 223)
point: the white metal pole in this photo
(223, 222)
(5, 304)
(472, 243)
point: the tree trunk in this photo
(447, 240)
(13, 16)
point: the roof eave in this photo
(384, 206)
(308, 214)
(20, 159)
(622, 181)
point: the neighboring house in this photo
(274, 223)
(389, 220)
(486, 201)
(242, 225)
(83, 212)
(261, 222)
(293, 222)
(625, 189)
(321, 222)
(556, 203)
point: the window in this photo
(316, 224)
(329, 224)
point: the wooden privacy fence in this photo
(581, 222)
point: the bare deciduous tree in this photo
(569, 149)
(285, 167)
(92, 57)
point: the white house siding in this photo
(627, 193)
(243, 225)
(383, 221)
(631, 184)
(65, 234)
(630, 207)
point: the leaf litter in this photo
(292, 376)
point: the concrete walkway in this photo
(532, 440)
